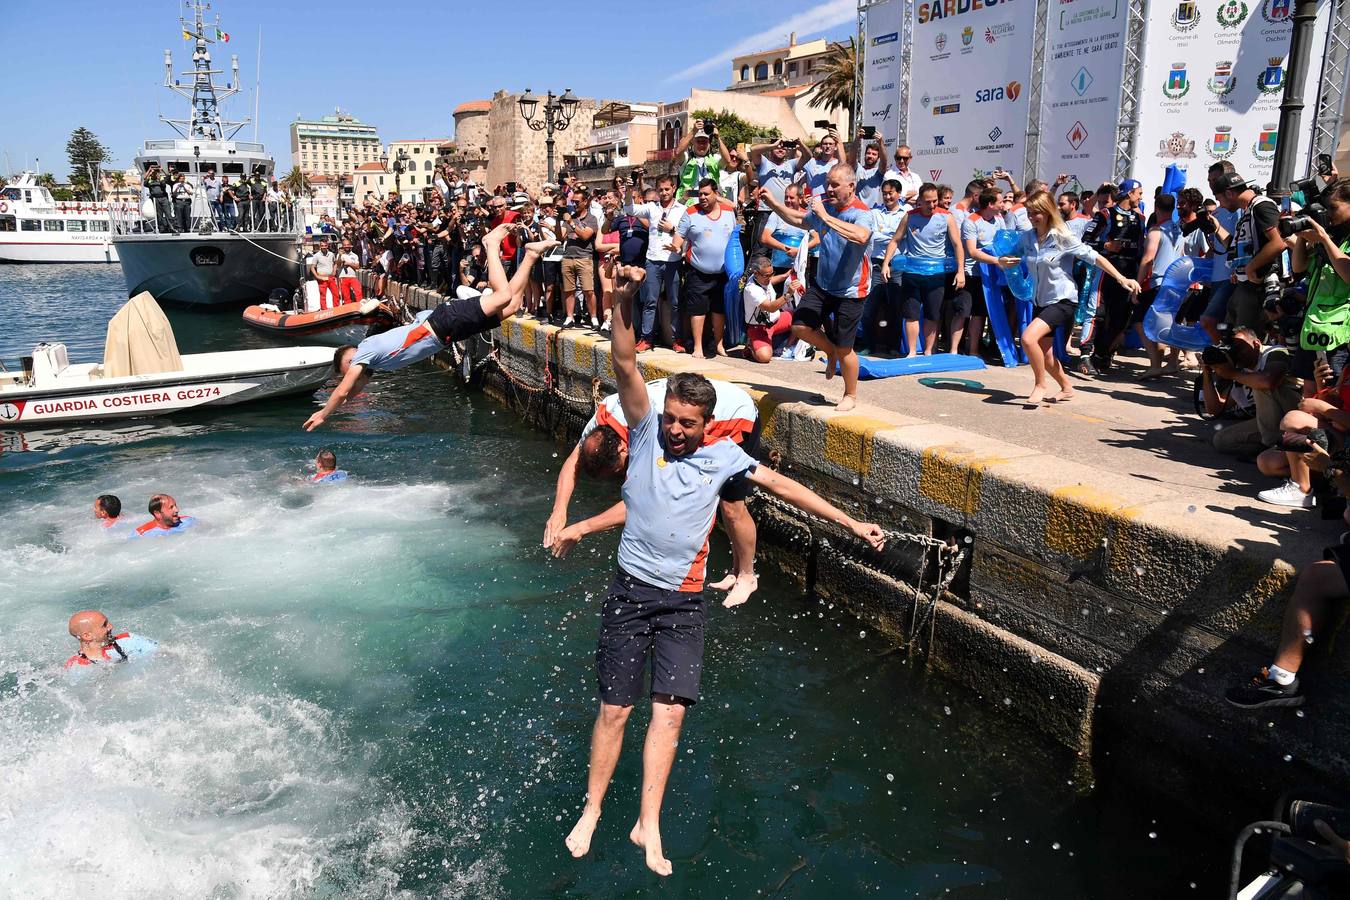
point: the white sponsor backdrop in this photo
(1212, 85)
(1080, 100)
(881, 68)
(969, 87)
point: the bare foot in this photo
(725, 584)
(650, 841)
(721, 351)
(1063, 396)
(700, 355)
(846, 404)
(745, 586)
(1036, 396)
(493, 239)
(540, 247)
(830, 365)
(579, 841)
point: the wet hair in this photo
(599, 456)
(156, 502)
(326, 459)
(337, 356)
(973, 188)
(694, 389)
(110, 504)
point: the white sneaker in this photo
(1288, 494)
(604, 326)
(567, 322)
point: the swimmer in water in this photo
(602, 452)
(108, 510)
(326, 470)
(98, 643)
(654, 606)
(433, 331)
(165, 518)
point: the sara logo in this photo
(1232, 14)
(1275, 11)
(1010, 92)
(886, 38)
(1177, 84)
(1271, 81)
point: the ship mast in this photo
(204, 121)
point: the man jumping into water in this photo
(433, 331)
(655, 605)
(602, 452)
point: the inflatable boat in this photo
(345, 324)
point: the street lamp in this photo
(400, 166)
(558, 113)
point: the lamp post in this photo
(400, 166)
(1291, 109)
(558, 113)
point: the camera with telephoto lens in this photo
(1203, 221)
(1220, 354)
(1312, 212)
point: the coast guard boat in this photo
(224, 256)
(36, 228)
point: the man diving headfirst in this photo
(432, 331)
(654, 607)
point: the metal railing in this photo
(203, 217)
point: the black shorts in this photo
(639, 620)
(1057, 314)
(959, 300)
(975, 286)
(551, 270)
(455, 320)
(925, 293)
(702, 293)
(838, 317)
(738, 487)
(1141, 308)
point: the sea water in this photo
(384, 688)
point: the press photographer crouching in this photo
(1242, 365)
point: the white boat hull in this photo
(21, 251)
(254, 375)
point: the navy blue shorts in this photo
(639, 621)
(455, 320)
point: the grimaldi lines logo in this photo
(937, 10)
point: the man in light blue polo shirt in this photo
(655, 604)
(703, 235)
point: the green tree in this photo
(297, 184)
(835, 88)
(47, 180)
(736, 130)
(63, 194)
(86, 155)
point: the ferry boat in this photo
(35, 228)
(203, 254)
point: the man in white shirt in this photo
(349, 286)
(909, 181)
(663, 261)
(211, 185)
(323, 266)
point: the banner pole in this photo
(1291, 108)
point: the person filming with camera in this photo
(1254, 250)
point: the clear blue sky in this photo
(402, 66)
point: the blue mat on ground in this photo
(869, 368)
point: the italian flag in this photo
(222, 36)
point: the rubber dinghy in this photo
(345, 324)
(142, 374)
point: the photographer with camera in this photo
(699, 160)
(1254, 250)
(1320, 245)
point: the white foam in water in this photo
(197, 773)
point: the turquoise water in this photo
(384, 688)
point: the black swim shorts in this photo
(738, 487)
(837, 316)
(639, 621)
(455, 320)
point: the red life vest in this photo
(79, 659)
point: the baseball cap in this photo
(1126, 186)
(1228, 181)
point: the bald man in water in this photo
(98, 644)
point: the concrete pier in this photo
(1120, 574)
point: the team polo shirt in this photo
(869, 183)
(133, 645)
(399, 347)
(734, 412)
(816, 173)
(671, 502)
(154, 529)
(332, 477)
(981, 232)
(843, 270)
(775, 177)
(1078, 225)
(706, 238)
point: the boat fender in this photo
(369, 306)
(269, 307)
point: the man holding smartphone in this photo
(869, 170)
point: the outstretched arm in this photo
(352, 384)
(614, 517)
(567, 483)
(809, 501)
(632, 389)
(791, 216)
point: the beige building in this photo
(515, 152)
(469, 149)
(419, 163)
(333, 145)
(622, 134)
(782, 67)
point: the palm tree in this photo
(297, 184)
(118, 179)
(835, 89)
(47, 180)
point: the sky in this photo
(403, 68)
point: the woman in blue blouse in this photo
(1049, 250)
